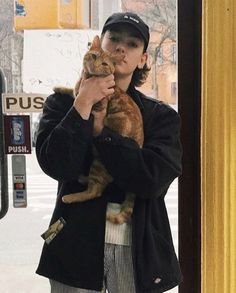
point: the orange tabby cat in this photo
(123, 116)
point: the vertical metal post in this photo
(3, 157)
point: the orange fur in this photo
(123, 116)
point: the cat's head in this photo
(98, 62)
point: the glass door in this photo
(21, 228)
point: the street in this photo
(20, 231)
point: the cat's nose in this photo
(120, 49)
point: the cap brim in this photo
(109, 25)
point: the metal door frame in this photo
(189, 107)
(3, 157)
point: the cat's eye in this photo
(113, 39)
(104, 64)
(94, 56)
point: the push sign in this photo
(17, 134)
(19, 181)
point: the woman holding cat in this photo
(88, 253)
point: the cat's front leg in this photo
(98, 180)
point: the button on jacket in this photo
(64, 151)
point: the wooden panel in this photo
(219, 147)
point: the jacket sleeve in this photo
(63, 139)
(149, 171)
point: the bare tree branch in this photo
(160, 15)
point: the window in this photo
(173, 89)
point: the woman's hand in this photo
(91, 91)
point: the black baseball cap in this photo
(129, 18)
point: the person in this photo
(88, 253)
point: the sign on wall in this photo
(22, 102)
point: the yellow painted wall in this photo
(67, 14)
(50, 14)
(38, 14)
(218, 147)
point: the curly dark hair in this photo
(140, 75)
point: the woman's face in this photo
(125, 42)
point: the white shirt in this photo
(120, 234)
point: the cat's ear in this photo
(96, 44)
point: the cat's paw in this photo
(68, 198)
(118, 219)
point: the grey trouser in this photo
(118, 273)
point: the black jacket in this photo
(64, 151)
